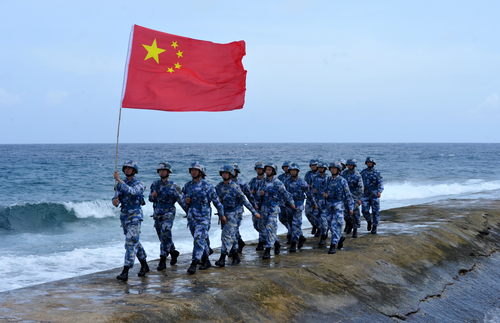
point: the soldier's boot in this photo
(144, 268)
(267, 253)
(355, 233)
(260, 246)
(341, 243)
(332, 250)
(163, 263)
(313, 230)
(124, 275)
(192, 268)
(205, 263)
(174, 254)
(368, 225)
(277, 246)
(210, 251)
(241, 245)
(322, 240)
(318, 232)
(348, 228)
(374, 229)
(236, 258)
(302, 240)
(288, 238)
(222, 261)
(293, 247)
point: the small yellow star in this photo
(179, 54)
(178, 65)
(153, 51)
(174, 44)
(170, 69)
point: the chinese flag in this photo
(173, 73)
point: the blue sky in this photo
(318, 71)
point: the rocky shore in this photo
(429, 263)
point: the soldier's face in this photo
(226, 176)
(369, 164)
(194, 172)
(269, 171)
(322, 169)
(334, 170)
(294, 172)
(259, 171)
(285, 169)
(313, 167)
(163, 173)
(128, 171)
(350, 167)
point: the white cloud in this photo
(8, 99)
(55, 97)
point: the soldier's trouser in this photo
(284, 218)
(309, 211)
(335, 219)
(370, 200)
(133, 247)
(269, 221)
(356, 215)
(320, 215)
(163, 225)
(258, 227)
(296, 219)
(239, 218)
(199, 230)
(228, 234)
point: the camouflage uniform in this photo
(318, 183)
(254, 186)
(298, 189)
(372, 181)
(338, 195)
(355, 183)
(247, 192)
(309, 208)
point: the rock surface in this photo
(429, 263)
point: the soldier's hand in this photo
(117, 176)
(253, 192)
(257, 215)
(220, 199)
(351, 212)
(378, 194)
(188, 200)
(359, 202)
(315, 206)
(223, 219)
(262, 193)
(315, 191)
(115, 202)
(325, 195)
(154, 195)
(293, 207)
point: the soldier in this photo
(271, 192)
(254, 185)
(164, 193)
(337, 195)
(373, 188)
(231, 196)
(343, 163)
(309, 210)
(129, 195)
(239, 243)
(299, 189)
(355, 183)
(283, 217)
(317, 187)
(199, 193)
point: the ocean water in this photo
(57, 221)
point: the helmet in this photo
(342, 161)
(226, 168)
(351, 161)
(294, 165)
(200, 167)
(164, 165)
(204, 171)
(370, 159)
(336, 164)
(313, 162)
(259, 164)
(273, 166)
(131, 163)
(286, 163)
(236, 168)
(322, 164)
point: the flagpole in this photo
(117, 140)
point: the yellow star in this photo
(153, 51)
(174, 44)
(170, 69)
(178, 65)
(179, 54)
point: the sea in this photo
(57, 220)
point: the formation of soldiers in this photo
(332, 205)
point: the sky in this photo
(318, 71)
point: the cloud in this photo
(55, 97)
(7, 99)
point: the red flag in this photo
(173, 73)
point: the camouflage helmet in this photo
(199, 166)
(351, 161)
(313, 162)
(273, 166)
(164, 165)
(342, 161)
(286, 163)
(236, 168)
(322, 164)
(370, 159)
(130, 163)
(259, 164)
(337, 165)
(226, 168)
(294, 165)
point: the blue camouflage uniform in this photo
(309, 208)
(164, 211)
(130, 195)
(372, 181)
(284, 213)
(319, 215)
(355, 183)
(201, 193)
(254, 185)
(298, 189)
(338, 196)
(248, 193)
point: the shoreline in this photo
(413, 276)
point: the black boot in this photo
(174, 254)
(124, 275)
(236, 258)
(144, 268)
(222, 261)
(293, 247)
(348, 228)
(368, 225)
(260, 246)
(267, 254)
(302, 240)
(192, 268)
(318, 232)
(210, 251)
(313, 231)
(341, 243)
(332, 250)
(241, 244)
(355, 233)
(277, 246)
(205, 263)
(374, 229)
(288, 238)
(322, 240)
(163, 263)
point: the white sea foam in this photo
(92, 209)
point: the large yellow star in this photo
(174, 44)
(179, 54)
(153, 51)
